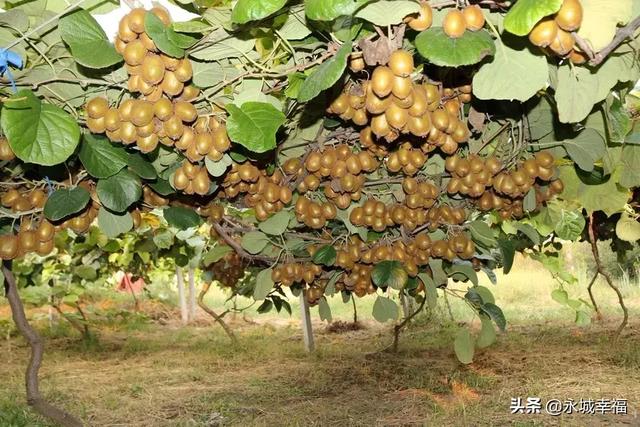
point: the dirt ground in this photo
(163, 375)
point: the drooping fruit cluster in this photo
(192, 179)
(423, 20)
(406, 159)
(471, 175)
(457, 21)
(518, 182)
(229, 270)
(213, 211)
(152, 198)
(445, 215)
(554, 32)
(81, 222)
(24, 201)
(269, 195)
(289, 273)
(314, 214)
(30, 238)
(6, 153)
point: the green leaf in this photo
(389, 274)
(162, 187)
(139, 165)
(629, 161)
(218, 168)
(502, 78)
(191, 27)
(384, 309)
(64, 202)
(328, 10)
(85, 272)
(215, 254)
(487, 335)
(88, 42)
(560, 296)
(223, 45)
(276, 224)
(113, 225)
(163, 37)
(586, 148)
(466, 270)
(100, 157)
(628, 228)
(182, 218)
(265, 307)
(431, 291)
(325, 75)
(608, 197)
(569, 225)
(440, 49)
(525, 14)
(326, 255)
(528, 231)
(496, 314)
(119, 191)
(508, 250)
(324, 310)
(464, 345)
(295, 27)
(575, 93)
(618, 120)
(482, 233)
(253, 10)
(384, 13)
(37, 132)
(254, 241)
(264, 284)
(600, 20)
(254, 125)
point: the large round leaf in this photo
(328, 10)
(38, 133)
(325, 76)
(440, 49)
(526, 13)
(182, 218)
(253, 10)
(65, 202)
(254, 125)
(112, 225)
(101, 158)
(119, 191)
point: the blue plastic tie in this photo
(9, 58)
(49, 185)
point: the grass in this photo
(165, 375)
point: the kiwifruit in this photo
(424, 19)
(454, 185)
(152, 69)
(545, 174)
(8, 246)
(142, 113)
(119, 44)
(201, 182)
(563, 43)
(340, 104)
(544, 32)
(519, 177)
(454, 24)
(356, 102)
(578, 58)
(357, 64)
(221, 140)
(171, 85)
(401, 63)
(27, 240)
(396, 117)
(162, 14)
(419, 105)
(97, 107)
(37, 198)
(124, 31)
(148, 42)
(174, 129)
(449, 145)
(461, 132)
(379, 126)
(440, 119)
(6, 153)
(402, 87)
(452, 107)
(185, 111)
(419, 126)
(569, 17)
(360, 117)
(45, 231)
(493, 165)
(136, 20)
(134, 53)
(128, 132)
(96, 125)
(10, 197)
(45, 248)
(170, 63)
(544, 159)
(163, 109)
(112, 119)
(184, 72)
(376, 105)
(180, 179)
(382, 81)
(147, 143)
(473, 17)
(557, 186)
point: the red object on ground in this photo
(126, 285)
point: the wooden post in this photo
(181, 296)
(307, 330)
(192, 294)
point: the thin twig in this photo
(210, 312)
(622, 34)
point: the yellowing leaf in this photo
(601, 19)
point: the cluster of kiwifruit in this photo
(459, 246)
(151, 198)
(422, 20)
(6, 153)
(445, 215)
(229, 270)
(208, 137)
(407, 159)
(289, 273)
(315, 291)
(358, 280)
(269, 195)
(192, 179)
(471, 175)
(518, 182)
(81, 222)
(213, 211)
(419, 194)
(26, 201)
(457, 22)
(314, 214)
(553, 33)
(30, 238)
(374, 214)
(238, 179)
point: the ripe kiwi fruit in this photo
(37, 198)
(454, 24)
(148, 143)
(563, 43)
(419, 106)
(152, 69)
(402, 87)
(27, 240)
(97, 107)
(569, 17)
(185, 111)
(112, 119)
(180, 179)
(473, 18)
(136, 20)
(376, 105)
(134, 53)
(174, 129)
(183, 71)
(146, 130)
(396, 117)
(379, 126)
(401, 63)
(6, 153)
(45, 231)
(171, 85)
(419, 126)
(544, 159)
(424, 19)
(124, 31)
(163, 109)
(8, 246)
(96, 125)
(162, 14)
(360, 117)
(440, 119)
(544, 33)
(340, 104)
(142, 113)
(148, 43)
(382, 81)
(357, 64)
(221, 140)
(201, 182)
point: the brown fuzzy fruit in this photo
(401, 63)
(185, 111)
(152, 69)
(424, 19)
(8, 246)
(135, 53)
(382, 81)
(97, 107)
(454, 24)
(569, 17)
(473, 18)
(544, 33)
(563, 43)
(6, 153)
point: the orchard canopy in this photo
(325, 146)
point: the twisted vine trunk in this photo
(34, 398)
(216, 317)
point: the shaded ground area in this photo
(165, 376)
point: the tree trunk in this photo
(192, 294)
(34, 399)
(217, 317)
(184, 315)
(307, 330)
